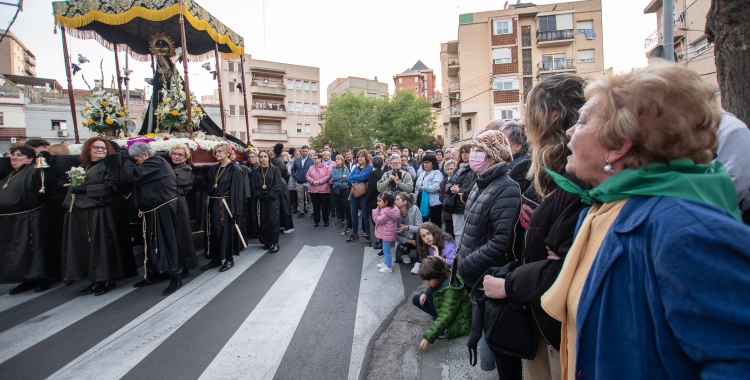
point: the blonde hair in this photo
(665, 109)
(227, 148)
(58, 149)
(184, 149)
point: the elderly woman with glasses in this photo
(179, 156)
(92, 243)
(225, 187)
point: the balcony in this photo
(556, 65)
(30, 70)
(30, 60)
(555, 38)
(455, 113)
(270, 134)
(453, 88)
(275, 92)
(268, 113)
(455, 138)
(452, 66)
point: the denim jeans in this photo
(357, 204)
(486, 357)
(387, 253)
(429, 304)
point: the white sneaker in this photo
(385, 269)
(406, 259)
(381, 265)
(415, 270)
(289, 231)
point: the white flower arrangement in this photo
(104, 115)
(171, 113)
(164, 142)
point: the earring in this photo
(608, 168)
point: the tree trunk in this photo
(727, 27)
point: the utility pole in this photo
(667, 26)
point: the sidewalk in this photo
(396, 353)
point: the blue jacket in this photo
(299, 171)
(337, 174)
(667, 296)
(431, 182)
(360, 175)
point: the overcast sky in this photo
(343, 38)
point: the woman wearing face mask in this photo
(489, 215)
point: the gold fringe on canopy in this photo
(155, 15)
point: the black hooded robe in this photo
(221, 236)
(285, 204)
(184, 181)
(266, 201)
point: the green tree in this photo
(357, 120)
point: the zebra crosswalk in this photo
(304, 322)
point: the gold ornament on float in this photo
(162, 45)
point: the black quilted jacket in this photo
(489, 216)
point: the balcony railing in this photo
(30, 60)
(454, 87)
(267, 90)
(455, 112)
(651, 41)
(268, 113)
(269, 134)
(455, 138)
(555, 35)
(556, 64)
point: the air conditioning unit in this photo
(458, 96)
(253, 75)
(62, 133)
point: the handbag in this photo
(449, 203)
(507, 325)
(424, 204)
(359, 189)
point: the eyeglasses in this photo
(218, 151)
(178, 155)
(99, 147)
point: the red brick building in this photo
(419, 79)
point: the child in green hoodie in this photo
(447, 304)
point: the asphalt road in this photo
(309, 311)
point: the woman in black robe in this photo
(93, 245)
(184, 181)
(246, 225)
(266, 189)
(285, 205)
(23, 224)
(225, 187)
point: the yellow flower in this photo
(83, 123)
(166, 101)
(175, 113)
(90, 121)
(108, 121)
(198, 109)
(122, 113)
(104, 103)
(125, 108)
(88, 109)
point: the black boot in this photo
(22, 287)
(274, 248)
(41, 285)
(183, 274)
(104, 288)
(227, 266)
(90, 289)
(212, 264)
(174, 283)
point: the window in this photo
(547, 23)
(58, 125)
(290, 84)
(314, 86)
(315, 107)
(298, 107)
(307, 129)
(468, 125)
(416, 79)
(307, 86)
(584, 25)
(527, 84)
(232, 110)
(526, 36)
(307, 107)
(400, 80)
(298, 84)
(371, 94)
(2, 119)
(290, 106)
(242, 110)
(273, 84)
(506, 112)
(416, 88)
(553, 62)
(502, 27)
(299, 127)
(232, 86)
(504, 84)
(586, 56)
(501, 56)
(231, 67)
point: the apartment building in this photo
(15, 57)
(369, 87)
(283, 101)
(500, 55)
(691, 46)
(419, 78)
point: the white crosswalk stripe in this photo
(379, 294)
(123, 350)
(41, 327)
(271, 325)
(7, 301)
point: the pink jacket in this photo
(386, 223)
(322, 174)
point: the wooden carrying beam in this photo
(221, 94)
(70, 84)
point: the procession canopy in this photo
(134, 23)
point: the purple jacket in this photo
(449, 252)
(386, 222)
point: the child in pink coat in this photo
(385, 217)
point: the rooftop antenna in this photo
(505, 6)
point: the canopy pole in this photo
(244, 95)
(70, 84)
(187, 78)
(119, 78)
(221, 94)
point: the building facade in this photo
(500, 55)
(283, 102)
(369, 87)
(419, 78)
(15, 57)
(691, 45)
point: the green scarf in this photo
(707, 183)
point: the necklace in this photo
(219, 173)
(90, 167)
(264, 175)
(12, 175)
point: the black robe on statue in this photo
(266, 189)
(285, 204)
(24, 226)
(155, 196)
(221, 236)
(93, 242)
(184, 180)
